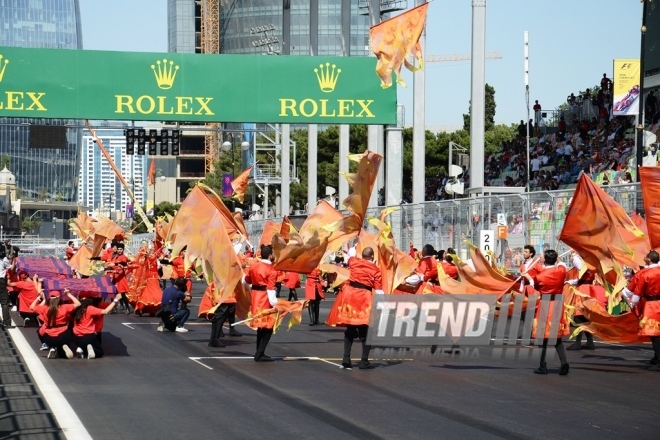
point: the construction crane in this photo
(446, 58)
(210, 24)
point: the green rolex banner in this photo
(85, 84)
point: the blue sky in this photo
(572, 43)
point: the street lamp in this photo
(227, 145)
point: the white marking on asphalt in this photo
(66, 417)
(285, 358)
(129, 324)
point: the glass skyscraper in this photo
(239, 18)
(43, 173)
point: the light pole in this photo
(227, 145)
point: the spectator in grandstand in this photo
(537, 112)
(568, 151)
(535, 163)
(522, 130)
(565, 175)
(605, 84)
(561, 125)
(572, 100)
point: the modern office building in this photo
(99, 188)
(49, 173)
(244, 23)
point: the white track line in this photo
(65, 415)
(284, 358)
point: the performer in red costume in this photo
(314, 293)
(426, 274)
(550, 282)
(262, 275)
(530, 265)
(70, 251)
(354, 305)
(226, 311)
(648, 288)
(118, 269)
(448, 265)
(179, 269)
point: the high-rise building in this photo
(41, 173)
(243, 23)
(99, 187)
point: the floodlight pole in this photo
(526, 52)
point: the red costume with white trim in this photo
(354, 304)
(647, 287)
(550, 281)
(263, 277)
(314, 286)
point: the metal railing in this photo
(534, 218)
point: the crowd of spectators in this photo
(587, 139)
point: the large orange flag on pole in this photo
(650, 178)
(240, 184)
(394, 39)
(599, 229)
(151, 177)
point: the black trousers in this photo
(352, 332)
(4, 302)
(225, 312)
(58, 341)
(263, 337)
(93, 340)
(561, 351)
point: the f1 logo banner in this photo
(468, 320)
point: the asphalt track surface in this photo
(154, 385)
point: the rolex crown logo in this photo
(165, 73)
(327, 76)
(3, 66)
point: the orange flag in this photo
(650, 178)
(204, 224)
(394, 39)
(270, 229)
(151, 177)
(240, 184)
(639, 221)
(598, 228)
(305, 249)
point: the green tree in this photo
(6, 161)
(497, 135)
(30, 226)
(489, 110)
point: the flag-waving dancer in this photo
(353, 307)
(262, 277)
(314, 293)
(648, 288)
(550, 282)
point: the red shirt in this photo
(365, 272)
(550, 281)
(179, 268)
(428, 268)
(88, 323)
(291, 280)
(27, 293)
(64, 312)
(70, 252)
(262, 274)
(450, 269)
